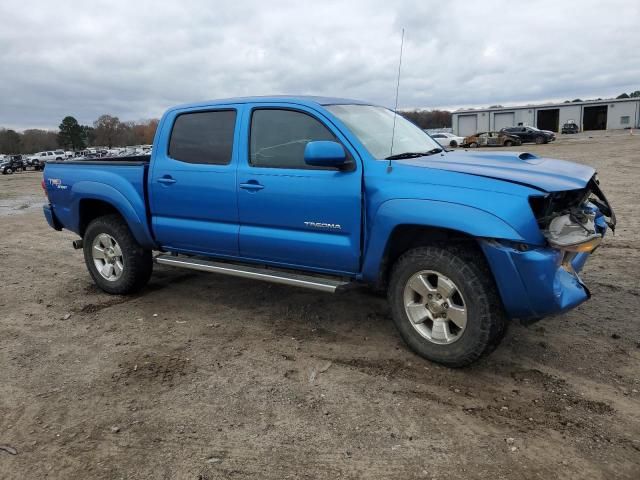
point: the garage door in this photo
(503, 120)
(467, 125)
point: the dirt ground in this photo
(204, 377)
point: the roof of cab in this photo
(297, 99)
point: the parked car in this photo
(530, 134)
(491, 139)
(39, 159)
(318, 193)
(11, 163)
(570, 128)
(552, 135)
(448, 139)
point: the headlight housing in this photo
(574, 232)
(574, 220)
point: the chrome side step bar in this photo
(322, 284)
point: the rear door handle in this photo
(167, 180)
(251, 185)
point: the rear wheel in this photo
(116, 262)
(474, 145)
(445, 305)
(8, 170)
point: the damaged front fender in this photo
(535, 283)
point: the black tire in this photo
(486, 321)
(508, 143)
(540, 140)
(474, 145)
(453, 144)
(8, 171)
(137, 261)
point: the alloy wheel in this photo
(435, 307)
(107, 257)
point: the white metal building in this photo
(590, 115)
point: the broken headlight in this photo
(574, 231)
(574, 220)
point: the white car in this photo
(39, 159)
(448, 139)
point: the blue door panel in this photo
(313, 249)
(205, 236)
(198, 211)
(195, 206)
(272, 218)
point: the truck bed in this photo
(77, 189)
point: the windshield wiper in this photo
(401, 156)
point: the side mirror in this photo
(323, 153)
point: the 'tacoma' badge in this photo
(332, 226)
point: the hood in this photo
(544, 174)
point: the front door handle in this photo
(167, 180)
(251, 185)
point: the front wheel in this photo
(508, 143)
(8, 171)
(445, 305)
(116, 262)
(453, 144)
(474, 145)
(539, 140)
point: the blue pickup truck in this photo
(328, 193)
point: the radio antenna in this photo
(395, 109)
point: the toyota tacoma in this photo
(329, 193)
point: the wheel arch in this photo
(406, 237)
(104, 200)
(91, 208)
(427, 222)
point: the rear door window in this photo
(203, 137)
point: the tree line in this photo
(428, 118)
(107, 131)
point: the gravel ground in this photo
(203, 376)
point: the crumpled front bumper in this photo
(534, 283)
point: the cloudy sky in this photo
(135, 58)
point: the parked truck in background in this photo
(38, 160)
(324, 193)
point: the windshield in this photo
(374, 126)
